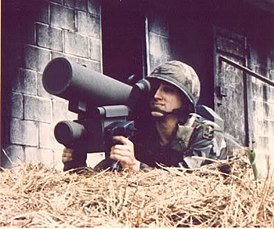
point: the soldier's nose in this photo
(157, 94)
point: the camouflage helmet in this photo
(180, 75)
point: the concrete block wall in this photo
(262, 105)
(67, 28)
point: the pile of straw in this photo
(216, 195)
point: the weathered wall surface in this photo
(249, 112)
(262, 104)
(247, 107)
(70, 29)
(230, 83)
(158, 38)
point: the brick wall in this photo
(49, 29)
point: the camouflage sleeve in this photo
(200, 147)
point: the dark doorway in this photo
(123, 35)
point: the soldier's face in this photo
(164, 98)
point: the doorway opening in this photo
(123, 36)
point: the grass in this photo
(222, 194)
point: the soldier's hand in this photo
(124, 152)
(67, 155)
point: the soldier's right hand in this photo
(67, 155)
(124, 153)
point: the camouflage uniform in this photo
(192, 143)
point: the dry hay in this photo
(36, 196)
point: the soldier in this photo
(176, 135)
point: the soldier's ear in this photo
(188, 106)
(184, 114)
(185, 110)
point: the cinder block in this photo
(95, 49)
(36, 58)
(42, 10)
(36, 155)
(31, 155)
(62, 17)
(46, 136)
(40, 88)
(23, 132)
(16, 105)
(81, 5)
(60, 111)
(76, 44)
(94, 65)
(49, 37)
(13, 156)
(69, 3)
(88, 25)
(67, 56)
(94, 7)
(55, 54)
(37, 109)
(59, 108)
(58, 159)
(25, 82)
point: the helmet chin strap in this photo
(180, 112)
(165, 113)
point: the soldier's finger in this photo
(67, 151)
(122, 140)
(119, 157)
(67, 155)
(66, 159)
(121, 147)
(124, 151)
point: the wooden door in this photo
(230, 83)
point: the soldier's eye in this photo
(169, 89)
(154, 88)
